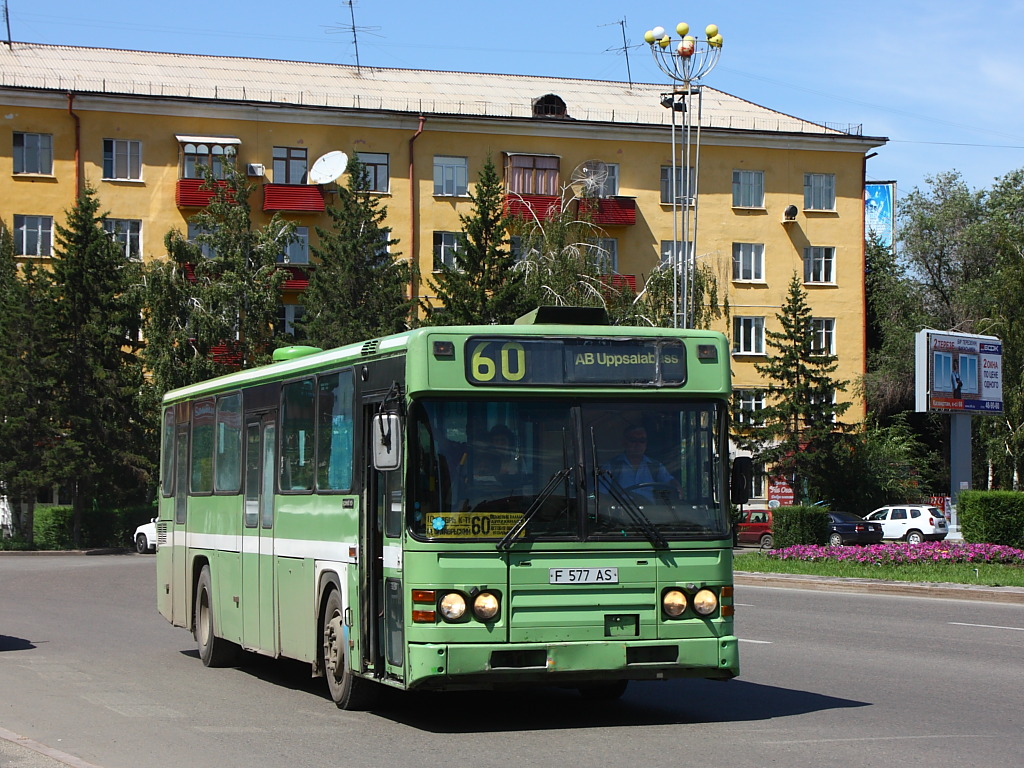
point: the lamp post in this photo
(685, 60)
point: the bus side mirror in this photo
(387, 441)
(742, 479)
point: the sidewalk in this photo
(879, 587)
(26, 753)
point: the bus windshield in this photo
(592, 470)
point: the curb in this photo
(878, 587)
(64, 552)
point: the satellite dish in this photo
(328, 167)
(588, 178)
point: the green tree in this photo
(791, 434)
(358, 289)
(483, 285)
(211, 307)
(103, 455)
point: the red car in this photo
(756, 528)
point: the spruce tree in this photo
(792, 433)
(358, 289)
(211, 307)
(483, 285)
(102, 454)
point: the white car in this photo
(913, 522)
(145, 537)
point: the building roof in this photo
(141, 73)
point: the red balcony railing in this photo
(306, 198)
(542, 207)
(610, 211)
(189, 193)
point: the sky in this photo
(942, 80)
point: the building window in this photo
(748, 402)
(297, 250)
(823, 331)
(287, 316)
(819, 191)
(289, 165)
(819, 264)
(33, 235)
(748, 261)
(127, 233)
(606, 254)
(446, 244)
(122, 159)
(748, 189)
(375, 165)
(676, 252)
(748, 335)
(201, 238)
(685, 190)
(532, 174)
(33, 153)
(610, 186)
(214, 157)
(451, 176)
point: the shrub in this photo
(993, 517)
(799, 525)
(54, 527)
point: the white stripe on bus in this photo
(266, 545)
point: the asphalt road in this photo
(90, 671)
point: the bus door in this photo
(383, 637)
(180, 593)
(258, 615)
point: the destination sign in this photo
(593, 362)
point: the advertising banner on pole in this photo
(958, 373)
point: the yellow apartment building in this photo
(777, 195)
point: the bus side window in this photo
(334, 419)
(228, 467)
(297, 443)
(202, 446)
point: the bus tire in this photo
(347, 690)
(214, 651)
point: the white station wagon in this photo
(913, 522)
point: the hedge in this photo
(799, 525)
(992, 517)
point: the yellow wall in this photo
(639, 152)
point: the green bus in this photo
(542, 503)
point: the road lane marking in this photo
(757, 642)
(985, 626)
(887, 738)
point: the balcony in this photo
(304, 198)
(610, 211)
(542, 207)
(190, 193)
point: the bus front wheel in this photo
(347, 690)
(214, 651)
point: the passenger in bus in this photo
(503, 448)
(637, 472)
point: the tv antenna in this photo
(624, 48)
(588, 178)
(351, 27)
(7, 18)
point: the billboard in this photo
(880, 211)
(958, 372)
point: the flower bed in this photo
(898, 553)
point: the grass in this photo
(945, 562)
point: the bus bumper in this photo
(439, 666)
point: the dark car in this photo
(845, 528)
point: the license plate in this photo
(583, 576)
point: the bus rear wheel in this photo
(214, 651)
(348, 691)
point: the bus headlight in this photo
(705, 602)
(673, 602)
(485, 606)
(452, 606)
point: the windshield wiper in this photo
(534, 508)
(639, 518)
